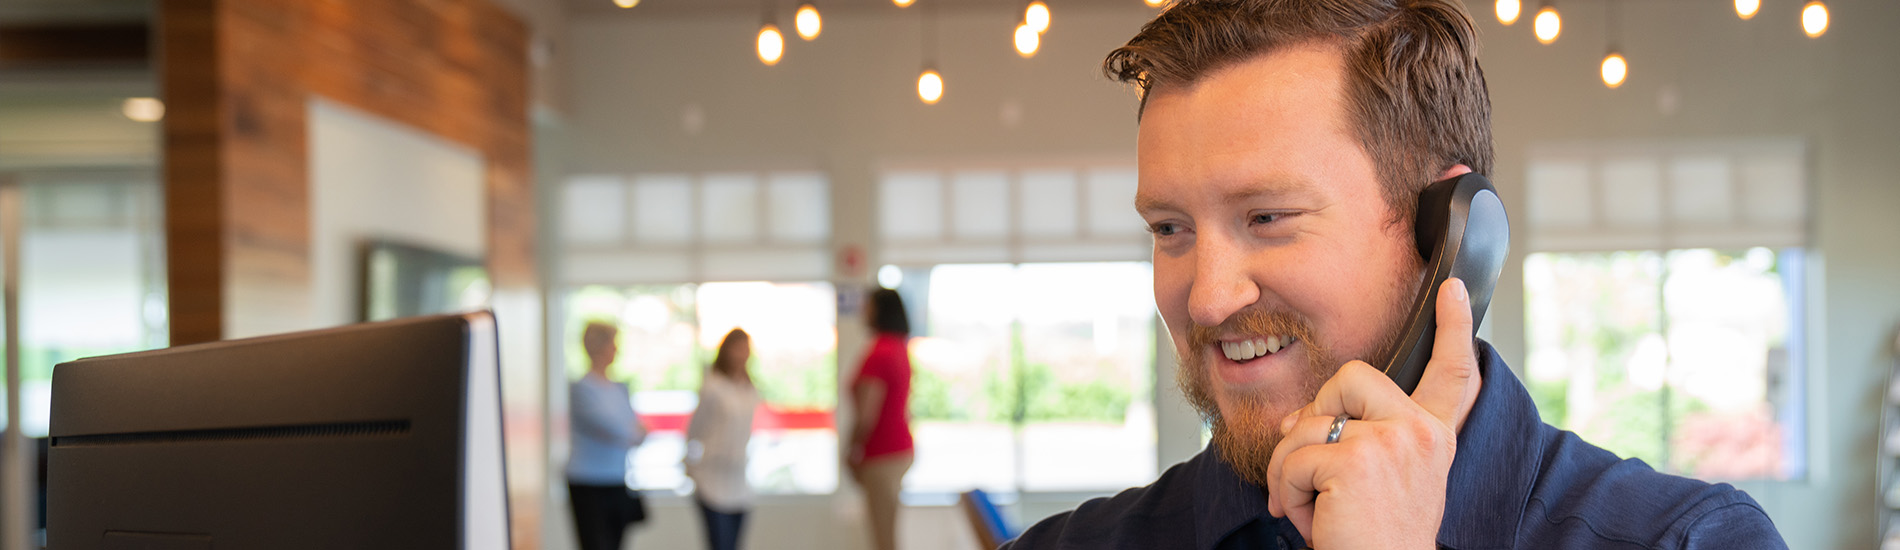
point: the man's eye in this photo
(1266, 218)
(1164, 229)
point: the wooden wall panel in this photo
(237, 76)
(194, 171)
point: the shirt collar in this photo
(1498, 459)
(1223, 501)
(1499, 455)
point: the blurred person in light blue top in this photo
(605, 429)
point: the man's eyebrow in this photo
(1147, 203)
(1277, 188)
(1284, 188)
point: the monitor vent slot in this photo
(221, 435)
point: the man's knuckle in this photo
(1360, 458)
(1357, 375)
(1423, 437)
(1461, 368)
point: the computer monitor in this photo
(379, 435)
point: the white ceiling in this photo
(741, 7)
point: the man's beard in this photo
(1247, 436)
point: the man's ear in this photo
(1404, 230)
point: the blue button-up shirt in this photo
(1516, 482)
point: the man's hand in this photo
(1382, 485)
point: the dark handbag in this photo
(632, 508)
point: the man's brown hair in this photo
(1415, 92)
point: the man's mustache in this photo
(1254, 321)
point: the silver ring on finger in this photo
(1339, 425)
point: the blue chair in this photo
(991, 530)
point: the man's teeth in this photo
(1249, 349)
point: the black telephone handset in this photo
(1462, 232)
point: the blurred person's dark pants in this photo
(722, 529)
(603, 513)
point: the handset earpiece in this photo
(1462, 232)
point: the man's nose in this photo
(1222, 284)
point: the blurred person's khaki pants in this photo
(882, 479)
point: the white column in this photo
(16, 517)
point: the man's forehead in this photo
(1271, 127)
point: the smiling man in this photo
(1283, 145)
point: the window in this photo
(1033, 377)
(928, 217)
(665, 228)
(1663, 301)
(1688, 359)
(1034, 365)
(627, 242)
(668, 336)
(92, 275)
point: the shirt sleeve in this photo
(593, 417)
(873, 364)
(1043, 534)
(1741, 526)
(700, 422)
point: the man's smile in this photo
(1249, 362)
(1245, 349)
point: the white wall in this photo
(846, 104)
(843, 100)
(373, 178)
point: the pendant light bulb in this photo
(808, 22)
(1615, 69)
(626, 3)
(1548, 25)
(771, 44)
(143, 109)
(1508, 11)
(1747, 8)
(1154, 3)
(1037, 16)
(903, 3)
(930, 86)
(1814, 19)
(1027, 40)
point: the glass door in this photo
(84, 275)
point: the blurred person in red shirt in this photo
(880, 449)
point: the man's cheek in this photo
(1174, 317)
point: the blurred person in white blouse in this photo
(716, 441)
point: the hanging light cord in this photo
(927, 13)
(1613, 26)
